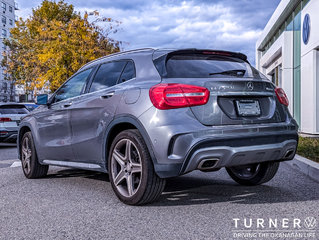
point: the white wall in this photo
(273, 53)
(308, 92)
(309, 72)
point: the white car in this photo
(10, 116)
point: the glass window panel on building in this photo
(290, 25)
(4, 33)
(8, 21)
(297, 39)
(296, 63)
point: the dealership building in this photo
(287, 52)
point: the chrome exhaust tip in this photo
(289, 154)
(207, 164)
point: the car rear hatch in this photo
(239, 94)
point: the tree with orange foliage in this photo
(53, 43)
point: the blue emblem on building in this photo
(306, 29)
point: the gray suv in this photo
(150, 114)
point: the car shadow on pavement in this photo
(68, 173)
(188, 190)
(194, 190)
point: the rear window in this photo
(205, 66)
(31, 107)
(8, 109)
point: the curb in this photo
(306, 166)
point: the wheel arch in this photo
(120, 124)
(22, 131)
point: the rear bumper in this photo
(224, 156)
(227, 150)
(178, 141)
(8, 136)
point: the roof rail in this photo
(115, 54)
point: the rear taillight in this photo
(175, 95)
(282, 97)
(5, 119)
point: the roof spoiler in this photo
(209, 52)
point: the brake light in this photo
(5, 119)
(282, 97)
(217, 53)
(174, 95)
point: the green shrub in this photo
(309, 148)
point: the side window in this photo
(73, 87)
(128, 73)
(107, 75)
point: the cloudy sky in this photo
(215, 24)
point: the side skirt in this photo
(88, 166)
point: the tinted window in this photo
(73, 87)
(204, 66)
(107, 75)
(7, 109)
(201, 66)
(128, 73)
(31, 107)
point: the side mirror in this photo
(42, 99)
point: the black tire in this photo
(148, 185)
(264, 172)
(34, 168)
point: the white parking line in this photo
(16, 164)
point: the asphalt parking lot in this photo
(76, 204)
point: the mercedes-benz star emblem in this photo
(250, 85)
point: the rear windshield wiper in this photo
(235, 72)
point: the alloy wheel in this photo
(26, 155)
(126, 167)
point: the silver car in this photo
(10, 116)
(146, 115)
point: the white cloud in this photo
(184, 25)
(179, 24)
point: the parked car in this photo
(151, 114)
(10, 116)
(30, 106)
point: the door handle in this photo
(67, 105)
(107, 95)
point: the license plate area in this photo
(247, 108)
